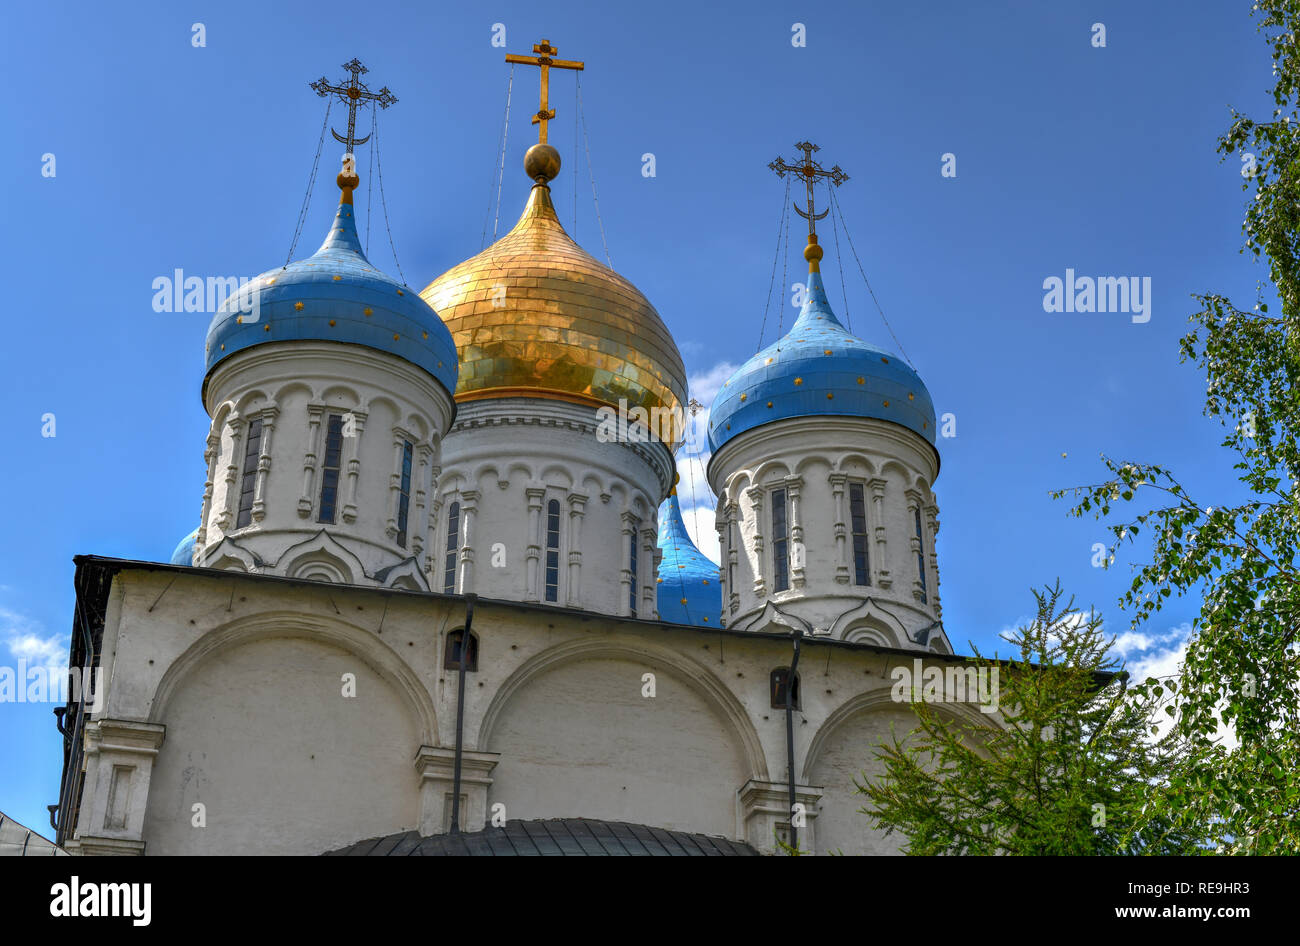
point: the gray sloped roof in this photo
(17, 840)
(580, 837)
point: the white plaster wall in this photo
(261, 736)
(582, 741)
(288, 385)
(245, 676)
(809, 460)
(848, 752)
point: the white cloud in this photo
(1132, 643)
(693, 492)
(705, 385)
(26, 639)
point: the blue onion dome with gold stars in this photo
(335, 295)
(689, 589)
(820, 369)
(183, 554)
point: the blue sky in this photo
(1068, 156)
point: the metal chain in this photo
(499, 169)
(311, 181)
(590, 170)
(370, 179)
(776, 257)
(379, 163)
(785, 266)
(839, 262)
(849, 236)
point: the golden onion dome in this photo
(535, 315)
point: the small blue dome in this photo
(337, 296)
(690, 591)
(820, 369)
(183, 554)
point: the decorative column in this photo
(305, 502)
(931, 512)
(654, 574)
(395, 484)
(733, 556)
(877, 487)
(765, 813)
(919, 590)
(234, 427)
(798, 552)
(629, 582)
(756, 508)
(211, 455)
(465, 560)
(424, 453)
(269, 414)
(433, 561)
(436, 767)
(351, 463)
(577, 507)
(533, 552)
(119, 763)
(838, 482)
(649, 548)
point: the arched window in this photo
(252, 451)
(329, 481)
(553, 550)
(780, 543)
(404, 496)
(858, 523)
(631, 590)
(453, 544)
(780, 676)
(451, 656)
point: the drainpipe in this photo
(789, 733)
(460, 712)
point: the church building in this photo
(431, 605)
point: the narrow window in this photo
(252, 450)
(780, 676)
(329, 483)
(453, 544)
(631, 591)
(404, 497)
(920, 555)
(858, 515)
(451, 659)
(780, 543)
(553, 550)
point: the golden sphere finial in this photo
(542, 163)
(347, 179)
(812, 252)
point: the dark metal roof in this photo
(577, 837)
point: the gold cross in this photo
(809, 170)
(545, 51)
(353, 94)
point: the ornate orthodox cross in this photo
(353, 94)
(810, 171)
(545, 51)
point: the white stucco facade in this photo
(252, 715)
